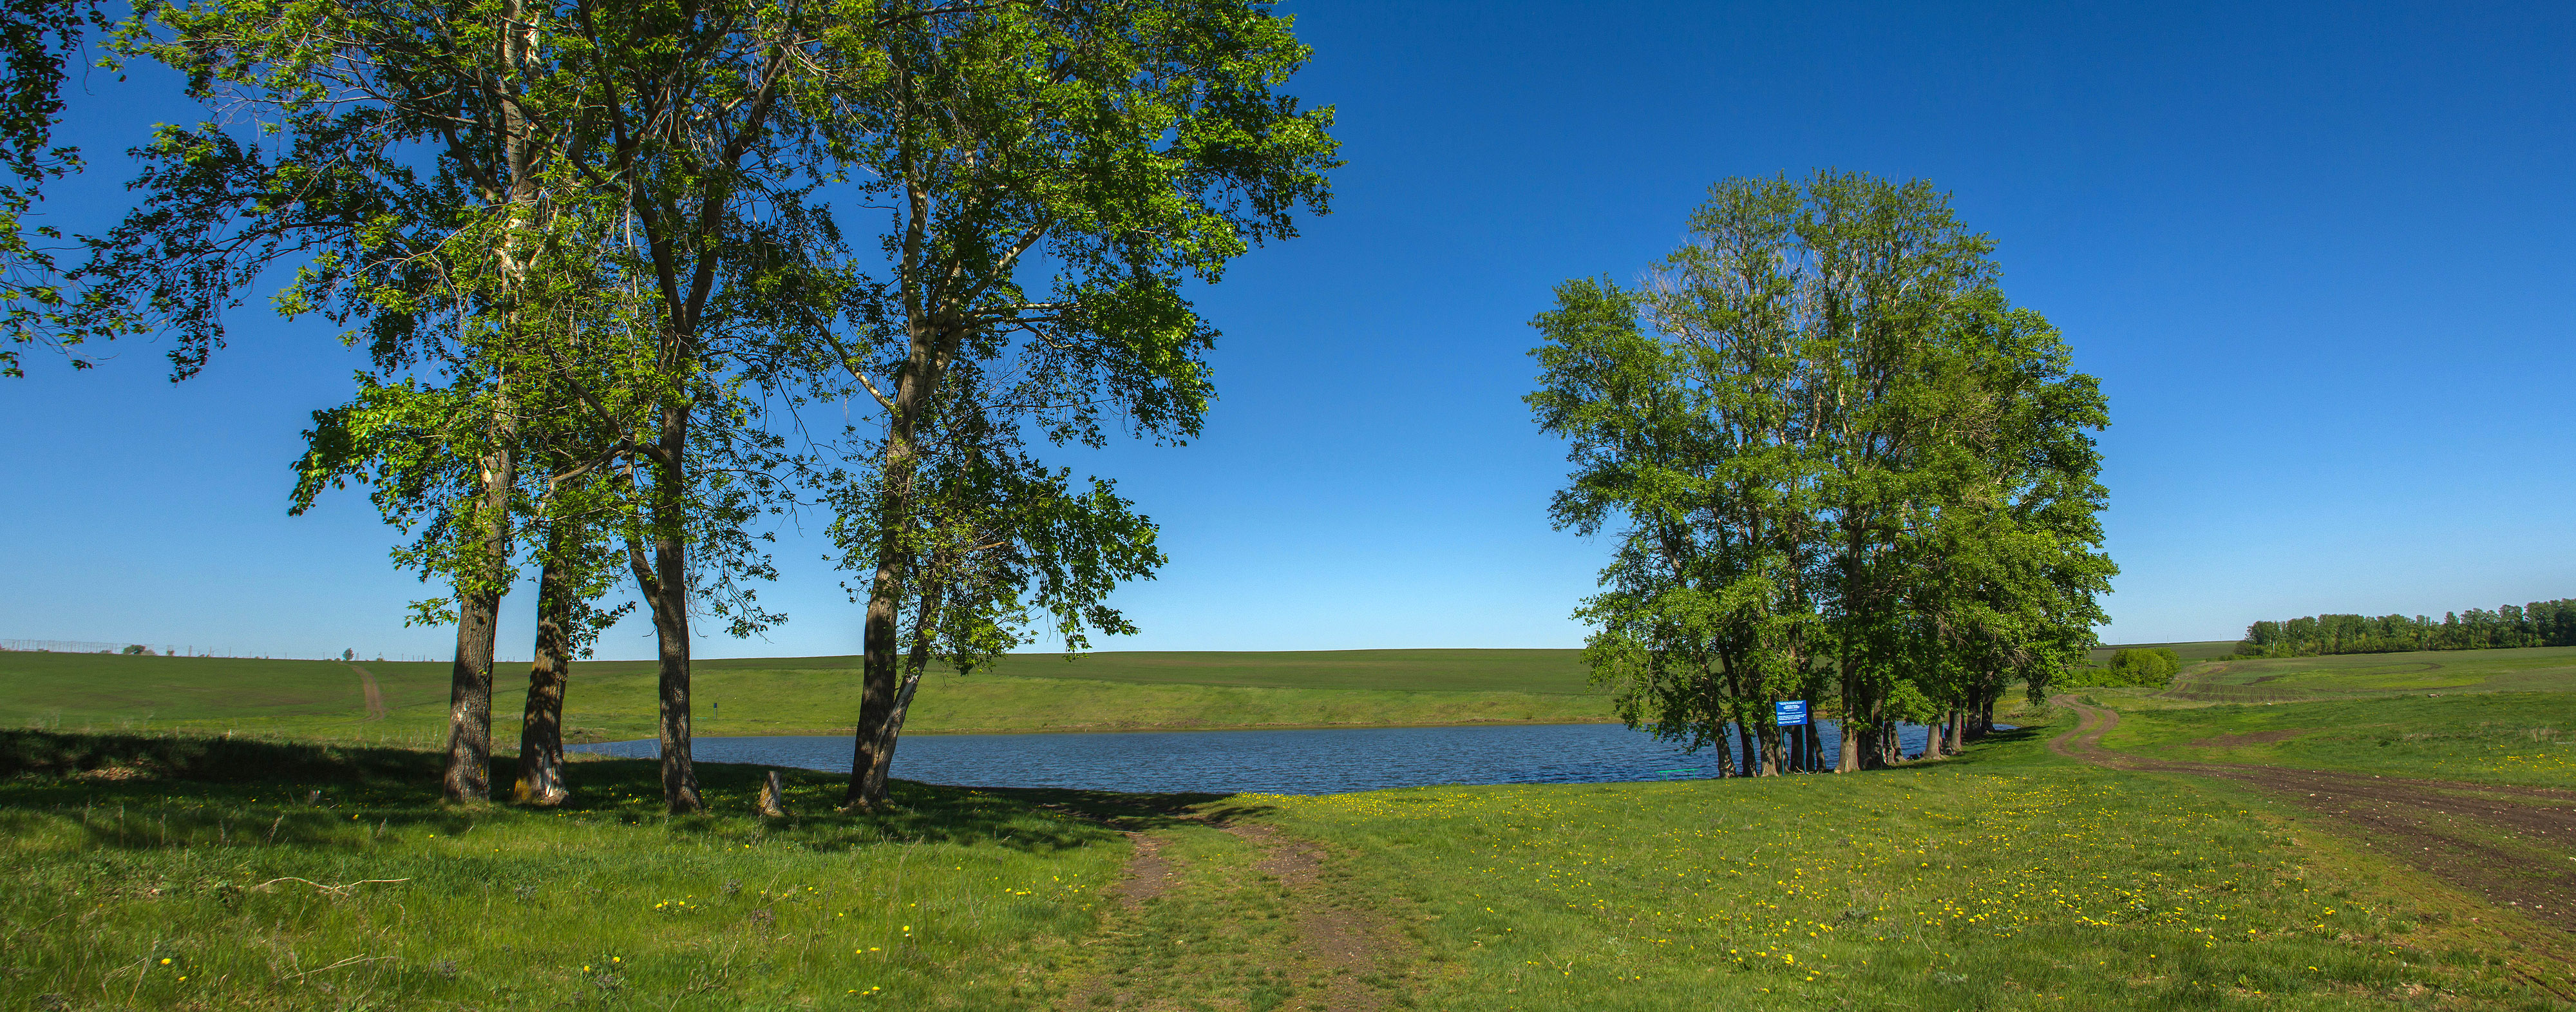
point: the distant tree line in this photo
(2538, 624)
(1839, 465)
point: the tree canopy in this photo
(1837, 461)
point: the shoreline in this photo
(1160, 729)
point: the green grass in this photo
(612, 700)
(2526, 738)
(2299, 679)
(226, 882)
(2010, 879)
(2188, 652)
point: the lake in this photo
(1320, 761)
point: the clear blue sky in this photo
(2321, 258)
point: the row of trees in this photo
(606, 258)
(2538, 624)
(1840, 466)
(2132, 666)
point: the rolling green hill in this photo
(2361, 676)
(612, 700)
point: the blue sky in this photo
(2321, 258)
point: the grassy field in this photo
(2010, 879)
(2188, 652)
(2499, 716)
(611, 700)
(2352, 676)
(267, 875)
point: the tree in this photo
(36, 36)
(1840, 462)
(1053, 175)
(419, 159)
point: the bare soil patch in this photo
(1149, 873)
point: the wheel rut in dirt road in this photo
(2516, 846)
(1222, 912)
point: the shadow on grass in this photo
(180, 790)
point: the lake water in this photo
(1330, 761)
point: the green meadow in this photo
(2356, 676)
(169, 872)
(2493, 716)
(141, 868)
(613, 700)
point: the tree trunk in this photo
(1815, 742)
(1849, 761)
(881, 757)
(541, 760)
(469, 721)
(881, 675)
(1744, 737)
(469, 698)
(664, 579)
(1958, 730)
(1932, 740)
(478, 612)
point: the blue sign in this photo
(1789, 714)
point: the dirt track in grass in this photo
(2515, 846)
(1219, 911)
(376, 709)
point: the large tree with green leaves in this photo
(1839, 464)
(417, 159)
(1052, 175)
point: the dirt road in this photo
(375, 697)
(2516, 846)
(1251, 924)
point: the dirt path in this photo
(375, 697)
(1218, 913)
(2516, 846)
(1335, 945)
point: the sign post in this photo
(1788, 714)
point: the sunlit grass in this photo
(2524, 738)
(2013, 881)
(169, 893)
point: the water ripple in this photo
(1328, 761)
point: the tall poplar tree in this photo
(1052, 176)
(414, 158)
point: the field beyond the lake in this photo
(614, 700)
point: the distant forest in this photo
(2538, 624)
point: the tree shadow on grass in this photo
(199, 789)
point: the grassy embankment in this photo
(2011, 878)
(612, 700)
